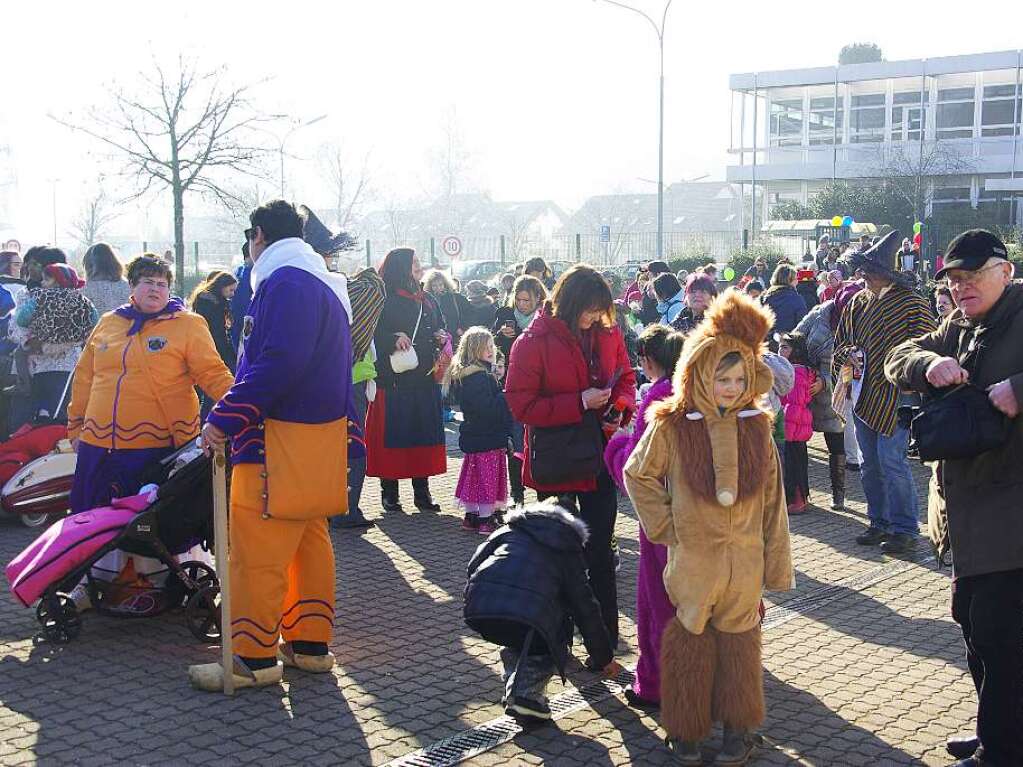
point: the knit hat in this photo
(475, 289)
(64, 275)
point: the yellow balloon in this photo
(836, 221)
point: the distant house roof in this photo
(710, 206)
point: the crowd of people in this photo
(694, 397)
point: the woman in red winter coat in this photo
(569, 360)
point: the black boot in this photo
(836, 463)
(421, 495)
(515, 480)
(389, 495)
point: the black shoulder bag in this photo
(559, 454)
(959, 423)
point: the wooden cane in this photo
(223, 566)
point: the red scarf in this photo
(418, 296)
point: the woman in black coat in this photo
(212, 300)
(527, 295)
(788, 306)
(404, 427)
(453, 305)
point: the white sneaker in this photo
(80, 596)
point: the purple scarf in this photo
(139, 318)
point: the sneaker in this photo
(80, 596)
(471, 522)
(486, 526)
(737, 747)
(899, 544)
(685, 751)
(871, 536)
(528, 708)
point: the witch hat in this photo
(319, 237)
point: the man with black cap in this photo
(874, 322)
(975, 505)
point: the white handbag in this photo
(403, 360)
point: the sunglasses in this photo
(250, 234)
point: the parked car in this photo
(466, 271)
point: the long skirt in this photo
(405, 433)
(483, 479)
(102, 474)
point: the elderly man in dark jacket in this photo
(975, 507)
(527, 583)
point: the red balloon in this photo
(918, 239)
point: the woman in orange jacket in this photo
(133, 399)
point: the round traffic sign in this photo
(452, 246)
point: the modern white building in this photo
(954, 122)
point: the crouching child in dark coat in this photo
(527, 584)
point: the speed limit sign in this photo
(452, 246)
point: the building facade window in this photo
(1000, 109)
(786, 122)
(951, 198)
(825, 122)
(866, 118)
(908, 117)
(955, 113)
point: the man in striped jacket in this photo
(875, 321)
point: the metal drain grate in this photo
(492, 734)
(485, 737)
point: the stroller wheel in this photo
(59, 618)
(199, 573)
(202, 613)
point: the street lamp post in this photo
(659, 31)
(296, 127)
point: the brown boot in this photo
(687, 679)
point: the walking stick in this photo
(223, 566)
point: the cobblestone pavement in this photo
(863, 665)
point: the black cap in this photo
(971, 250)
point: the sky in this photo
(554, 99)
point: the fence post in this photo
(433, 252)
(145, 246)
(578, 247)
(368, 258)
(745, 240)
(195, 248)
(502, 250)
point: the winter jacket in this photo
(788, 307)
(481, 313)
(216, 311)
(820, 346)
(671, 308)
(505, 314)
(784, 379)
(798, 419)
(975, 505)
(531, 573)
(240, 302)
(486, 423)
(621, 445)
(399, 315)
(107, 295)
(139, 391)
(648, 309)
(451, 306)
(547, 374)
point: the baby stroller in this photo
(180, 516)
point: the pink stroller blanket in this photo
(67, 544)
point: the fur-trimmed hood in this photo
(734, 322)
(550, 525)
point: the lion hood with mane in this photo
(734, 322)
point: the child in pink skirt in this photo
(486, 427)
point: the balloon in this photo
(918, 238)
(917, 227)
(847, 221)
(729, 273)
(836, 221)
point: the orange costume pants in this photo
(282, 573)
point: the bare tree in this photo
(94, 216)
(180, 130)
(397, 223)
(349, 183)
(909, 166)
